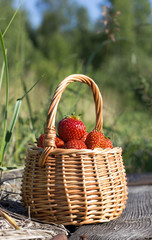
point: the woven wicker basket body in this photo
(70, 186)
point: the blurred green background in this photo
(115, 51)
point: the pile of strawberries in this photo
(72, 134)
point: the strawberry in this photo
(106, 143)
(94, 139)
(75, 144)
(59, 142)
(84, 137)
(71, 128)
(40, 141)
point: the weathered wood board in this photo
(134, 223)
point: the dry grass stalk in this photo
(9, 219)
(109, 22)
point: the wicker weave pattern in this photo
(74, 186)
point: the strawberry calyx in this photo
(107, 137)
(73, 115)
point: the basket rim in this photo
(60, 151)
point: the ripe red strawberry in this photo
(40, 141)
(59, 142)
(71, 128)
(106, 143)
(75, 144)
(84, 137)
(94, 139)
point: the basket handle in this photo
(50, 133)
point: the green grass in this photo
(7, 130)
(23, 119)
(3, 142)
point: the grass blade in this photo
(7, 96)
(6, 29)
(9, 219)
(12, 123)
(11, 126)
(94, 54)
(29, 105)
(30, 89)
(29, 108)
(2, 74)
(9, 132)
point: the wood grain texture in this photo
(134, 223)
(139, 179)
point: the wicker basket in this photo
(70, 186)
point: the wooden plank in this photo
(134, 223)
(139, 179)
